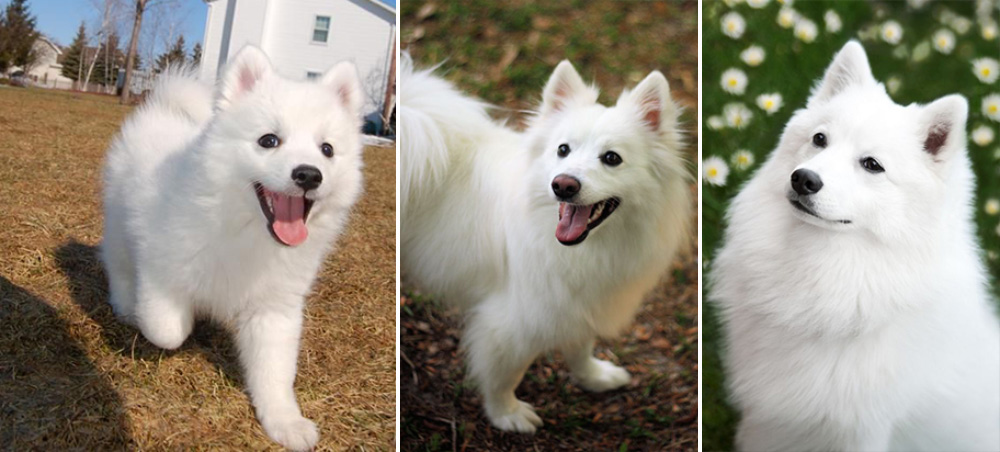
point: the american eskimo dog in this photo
(549, 237)
(226, 209)
(855, 303)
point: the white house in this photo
(303, 38)
(46, 70)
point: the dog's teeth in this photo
(597, 212)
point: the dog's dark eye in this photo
(563, 150)
(327, 149)
(819, 140)
(611, 158)
(269, 141)
(871, 165)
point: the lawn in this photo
(71, 377)
(913, 70)
(504, 52)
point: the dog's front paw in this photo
(522, 419)
(294, 432)
(603, 376)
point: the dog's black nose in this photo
(307, 177)
(806, 182)
(565, 187)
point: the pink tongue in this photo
(573, 222)
(289, 219)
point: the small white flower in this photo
(992, 206)
(737, 115)
(832, 20)
(770, 103)
(961, 24)
(753, 55)
(982, 135)
(734, 81)
(921, 51)
(988, 29)
(893, 84)
(742, 159)
(944, 41)
(891, 32)
(715, 171)
(986, 69)
(806, 30)
(757, 4)
(787, 17)
(716, 122)
(991, 107)
(733, 25)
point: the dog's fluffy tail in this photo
(436, 121)
(179, 91)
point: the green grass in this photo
(791, 66)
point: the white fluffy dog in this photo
(855, 303)
(224, 205)
(548, 237)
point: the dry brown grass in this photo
(71, 377)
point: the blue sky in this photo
(60, 19)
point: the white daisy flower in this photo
(806, 30)
(992, 206)
(961, 24)
(770, 103)
(944, 41)
(753, 55)
(991, 107)
(893, 84)
(733, 25)
(734, 81)
(982, 135)
(921, 51)
(787, 17)
(986, 69)
(742, 159)
(715, 171)
(891, 32)
(737, 115)
(832, 21)
(988, 29)
(716, 122)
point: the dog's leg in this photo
(497, 362)
(164, 320)
(121, 276)
(594, 374)
(268, 343)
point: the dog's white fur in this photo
(873, 335)
(479, 216)
(185, 236)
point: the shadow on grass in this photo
(89, 288)
(52, 396)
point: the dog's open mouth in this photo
(798, 205)
(286, 215)
(576, 221)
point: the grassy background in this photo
(504, 52)
(790, 68)
(73, 378)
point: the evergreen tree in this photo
(196, 54)
(108, 62)
(17, 36)
(175, 56)
(73, 60)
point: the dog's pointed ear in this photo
(651, 98)
(244, 72)
(564, 87)
(942, 126)
(849, 68)
(342, 79)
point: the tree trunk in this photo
(140, 6)
(90, 70)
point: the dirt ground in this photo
(72, 378)
(503, 52)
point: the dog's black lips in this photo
(258, 190)
(802, 207)
(610, 205)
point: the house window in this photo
(310, 75)
(322, 29)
